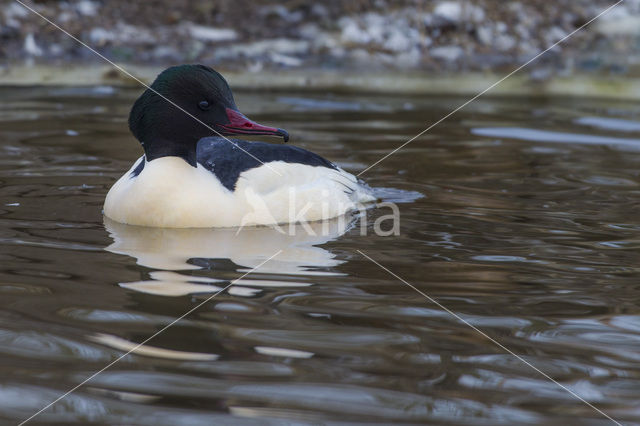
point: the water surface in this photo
(528, 228)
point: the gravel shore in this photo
(356, 36)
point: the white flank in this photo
(172, 194)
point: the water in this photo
(519, 215)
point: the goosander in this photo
(193, 177)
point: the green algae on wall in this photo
(463, 84)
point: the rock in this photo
(361, 56)
(390, 35)
(378, 26)
(456, 13)
(398, 41)
(211, 34)
(554, 35)
(629, 25)
(99, 36)
(504, 42)
(15, 11)
(65, 17)
(412, 58)
(310, 31)
(55, 49)
(263, 49)
(619, 21)
(30, 46)
(328, 42)
(122, 33)
(193, 49)
(255, 66)
(541, 74)
(528, 49)
(352, 33)
(474, 13)
(281, 12)
(289, 61)
(485, 35)
(319, 10)
(87, 7)
(447, 53)
(449, 10)
(166, 52)
(523, 32)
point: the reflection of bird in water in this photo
(168, 250)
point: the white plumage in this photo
(170, 193)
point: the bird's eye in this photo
(203, 105)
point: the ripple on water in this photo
(148, 350)
(534, 135)
(608, 123)
(47, 346)
(348, 401)
(526, 232)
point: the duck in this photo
(192, 175)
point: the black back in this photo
(227, 161)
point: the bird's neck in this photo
(164, 148)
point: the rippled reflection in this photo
(168, 250)
(171, 249)
(518, 214)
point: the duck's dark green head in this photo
(184, 104)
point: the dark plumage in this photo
(164, 130)
(138, 169)
(185, 104)
(227, 161)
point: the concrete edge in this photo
(463, 84)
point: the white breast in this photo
(172, 194)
